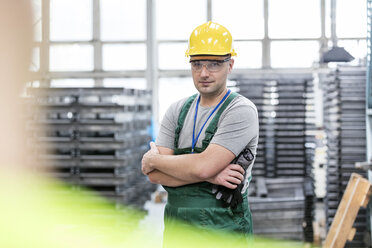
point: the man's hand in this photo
(231, 196)
(148, 157)
(229, 177)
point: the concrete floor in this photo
(153, 221)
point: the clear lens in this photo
(212, 66)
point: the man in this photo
(200, 136)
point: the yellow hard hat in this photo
(210, 39)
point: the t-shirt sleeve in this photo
(167, 129)
(237, 128)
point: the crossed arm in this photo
(212, 165)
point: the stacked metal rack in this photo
(344, 121)
(295, 138)
(310, 146)
(286, 145)
(280, 214)
(290, 128)
(254, 90)
(96, 138)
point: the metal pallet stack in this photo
(254, 90)
(269, 111)
(290, 128)
(344, 121)
(310, 146)
(96, 138)
(294, 139)
(311, 129)
(280, 213)
(288, 146)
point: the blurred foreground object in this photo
(39, 218)
(15, 50)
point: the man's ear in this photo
(231, 65)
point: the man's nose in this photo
(204, 71)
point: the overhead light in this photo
(336, 54)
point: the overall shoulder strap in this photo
(181, 118)
(212, 128)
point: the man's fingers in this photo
(153, 146)
(234, 180)
(237, 168)
(237, 175)
(229, 185)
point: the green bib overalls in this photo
(194, 203)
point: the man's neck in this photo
(212, 100)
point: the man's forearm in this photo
(159, 177)
(187, 167)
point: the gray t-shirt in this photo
(237, 127)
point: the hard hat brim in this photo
(209, 57)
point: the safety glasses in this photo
(211, 65)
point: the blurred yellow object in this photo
(210, 39)
(38, 212)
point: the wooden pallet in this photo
(357, 194)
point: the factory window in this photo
(357, 48)
(72, 83)
(294, 54)
(71, 57)
(249, 54)
(35, 62)
(124, 57)
(351, 18)
(172, 56)
(37, 20)
(132, 83)
(36, 8)
(244, 19)
(123, 20)
(176, 19)
(328, 18)
(71, 20)
(75, 44)
(173, 89)
(294, 19)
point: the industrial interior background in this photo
(105, 71)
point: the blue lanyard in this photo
(194, 140)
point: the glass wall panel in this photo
(294, 53)
(351, 18)
(123, 20)
(118, 57)
(36, 8)
(35, 62)
(172, 90)
(71, 57)
(328, 18)
(249, 54)
(72, 83)
(244, 19)
(175, 20)
(172, 56)
(131, 83)
(358, 49)
(294, 19)
(71, 20)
